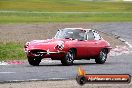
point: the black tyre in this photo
(69, 58)
(34, 61)
(102, 57)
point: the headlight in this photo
(26, 45)
(60, 45)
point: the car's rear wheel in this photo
(69, 58)
(102, 57)
(34, 61)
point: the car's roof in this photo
(78, 29)
(88, 30)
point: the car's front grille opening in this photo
(38, 52)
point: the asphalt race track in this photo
(53, 70)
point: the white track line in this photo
(130, 46)
(11, 11)
(3, 63)
(127, 43)
(6, 72)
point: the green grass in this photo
(63, 17)
(11, 51)
(63, 6)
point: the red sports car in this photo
(69, 44)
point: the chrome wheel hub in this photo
(69, 56)
(103, 56)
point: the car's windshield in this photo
(70, 33)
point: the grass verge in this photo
(11, 51)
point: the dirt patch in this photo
(26, 32)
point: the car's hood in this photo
(48, 41)
(46, 44)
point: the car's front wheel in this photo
(69, 58)
(34, 61)
(102, 57)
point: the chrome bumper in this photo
(44, 53)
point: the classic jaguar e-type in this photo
(69, 44)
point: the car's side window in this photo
(82, 36)
(90, 36)
(85, 36)
(97, 36)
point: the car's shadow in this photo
(75, 64)
(58, 64)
